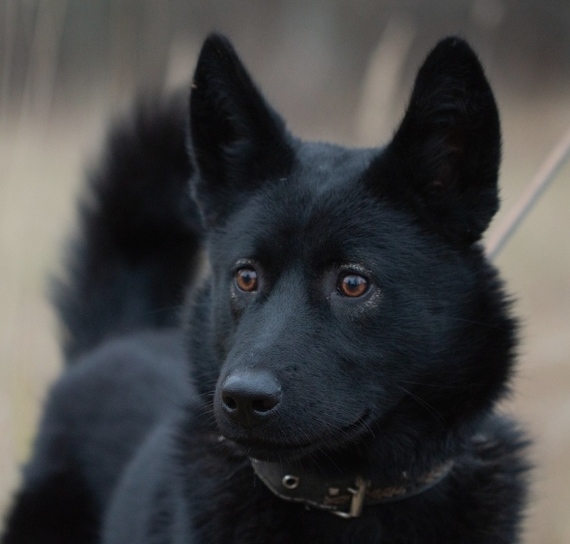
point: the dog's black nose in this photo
(250, 398)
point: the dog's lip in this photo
(270, 450)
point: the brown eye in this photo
(246, 279)
(352, 285)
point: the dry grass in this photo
(38, 175)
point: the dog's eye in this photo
(246, 279)
(352, 285)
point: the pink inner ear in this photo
(446, 174)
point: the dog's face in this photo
(348, 300)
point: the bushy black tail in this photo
(139, 235)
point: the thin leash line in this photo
(542, 179)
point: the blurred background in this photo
(336, 70)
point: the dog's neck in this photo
(344, 495)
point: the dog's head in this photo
(348, 300)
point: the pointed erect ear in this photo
(238, 142)
(443, 162)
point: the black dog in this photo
(347, 340)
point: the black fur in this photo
(399, 379)
(139, 232)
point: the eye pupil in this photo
(246, 279)
(352, 285)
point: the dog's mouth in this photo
(266, 448)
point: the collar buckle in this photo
(357, 502)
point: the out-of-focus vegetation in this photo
(337, 70)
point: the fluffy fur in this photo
(279, 356)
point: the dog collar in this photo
(342, 496)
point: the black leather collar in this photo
(344, 496)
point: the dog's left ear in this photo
(237, 140)
(444, 159)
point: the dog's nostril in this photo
(265, 404)
(229, 402)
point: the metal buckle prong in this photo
(357, 501)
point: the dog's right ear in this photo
(443, 162)
(237, 140)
